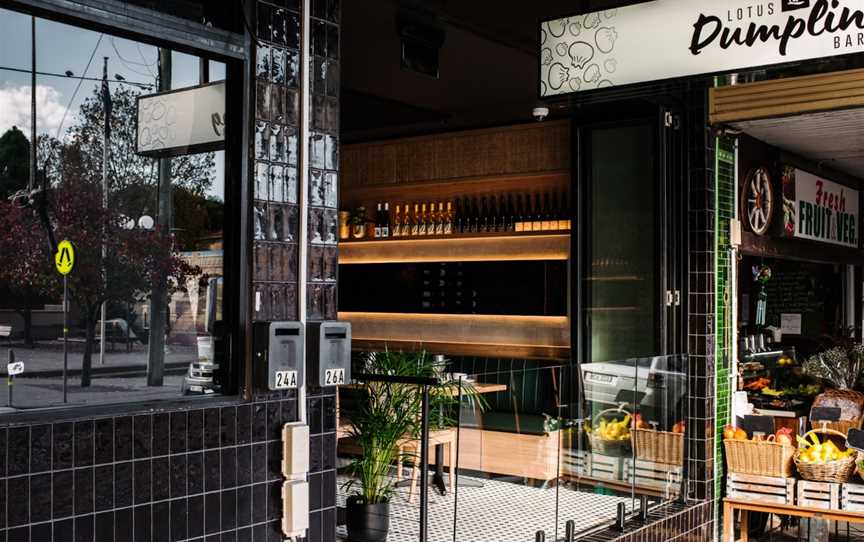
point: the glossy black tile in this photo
(123, 438)
(64, 531)
(142, 481)
(105, 527)
(178, 476)
(104, 441)
(40, 448)
(63, 496)
(259, 503)
(229, 509)
(274, 420)
(244, 535)
(212, 508)
(196, 516)
(195, 472)
(20, 534)
(42, 531)
(104, 488)
(244, 506)
(84, 529)
(142, 435)
(179, 520)
(212, 470)
(123, 484)
(244, 424)
(19, 451)
(161, 434)
(123, 525)
(161, 478)
(40, 498)
(84, 491)
(212, 428)
(229, 467)
(142, 523)
(228, 421)
(244, 465)
(18, 508)
(195, 432)
(328, 489)
(179, 428)
(161, 522)
(84, 443)
(315, 496)
(259, 462)
(259, 422)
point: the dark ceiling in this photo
(487, 72)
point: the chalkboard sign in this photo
(756, 424)
(824, 414)
(855, 439)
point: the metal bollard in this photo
(540, 537)
(643, 508)
(622, 516)
(570, 531)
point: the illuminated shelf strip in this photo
(541, 247)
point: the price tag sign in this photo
(15, 368)
(756, 424)
(855, 439)
(824, 414)
(334, 377)
(286, 380)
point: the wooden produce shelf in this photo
(533, 337)
(489, 248)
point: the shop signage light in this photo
(185, 121)
(818, 209)
(679, 38)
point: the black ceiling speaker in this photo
(421, 40)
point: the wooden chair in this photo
(411, 446)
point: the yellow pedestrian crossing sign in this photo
(64, 259)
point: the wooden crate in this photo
(649, 474)
(575, 462)
(769, 489)
(852, 497)
(819, 494)
(605, 467)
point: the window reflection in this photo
(151, 260)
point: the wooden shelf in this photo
(501, 247)
(534, 337)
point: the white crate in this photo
(576, 462)
(657, 476)
(769, 489)
(605, 467)
(819, 494)
(852, 497)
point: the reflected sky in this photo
(61, 48)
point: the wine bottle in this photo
(494, 216)
(415, 221)
(440, 218)
(385, 220)
(397, 221)
(378, 214)
(519, 215)
(568, 211)
(423, 220)
(510, 218)
(537, 217)
(448, 219)
(472, 216)
(548, 214)
(484, 216)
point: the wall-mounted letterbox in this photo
(278, 354)
(328, 352)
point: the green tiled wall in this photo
(725, 205)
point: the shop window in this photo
(144, 309)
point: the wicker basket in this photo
(834, 471)
(841, 426)
(759, 457)
(608, 447)
(659, 446)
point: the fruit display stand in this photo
(768, 489)
(852, 497)
(662, 477)
(607, 467)
(610, 432)
(823, 461)
(824, 495)
(659, 446)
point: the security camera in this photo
(540, 113)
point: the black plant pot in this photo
(367, 522)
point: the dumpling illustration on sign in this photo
(591, 20)
(581, 54)
(546, 56)
(557, 28)
(605, 39)
(558, 74)
(561, 48)
(592, 73)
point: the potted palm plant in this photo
(382, 415)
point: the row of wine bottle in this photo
(487, 214)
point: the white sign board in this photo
(182, 121)
(790, 324)
(15, 368)
(665, 39)
(818, 209)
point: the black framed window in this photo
(154, 248)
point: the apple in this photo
(639, 422)
(784, 435)
(729, 432)
(678, 427)
(740, 434)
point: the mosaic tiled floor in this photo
(497, 512)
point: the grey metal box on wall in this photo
(278, 354)
(328, 352)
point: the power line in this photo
(81, 78)
(126, 63)
(77, 87)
